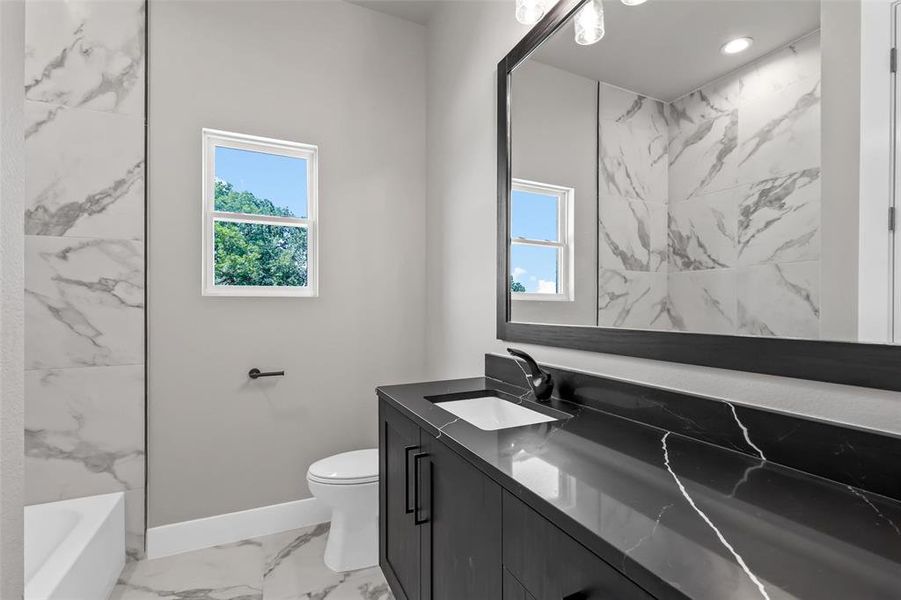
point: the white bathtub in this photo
(74, 549)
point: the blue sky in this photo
(280, 179)
(534, 216)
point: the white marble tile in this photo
(628, 108)
(779, 219)
(79, 183)
(634, 300)
(714, 100)
(232, 572)
(84, 302)
(702, 157)
(702, 232)
(134, 524)
(779, 133)
(796, 63)
(781, 300)
(84, 432)
(632, 162)
(703, 301)
(624, 234)
(86, 53)
(294, 569)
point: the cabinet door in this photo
(553, 566)
(461, 536)
(399, 537)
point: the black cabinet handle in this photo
(255, 373)
(577, 596)
(416, 476)
(407, 508)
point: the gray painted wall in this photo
(12, 352)
(461, 280)
(554, 116)
(352, 81)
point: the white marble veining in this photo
(284, 566)
(702, 156)
(703, 232)
(796, 63)
(84, 302)
(779, 219)
(712, 101)
(633, 299)
(703, 301)
(80, 183)
(719, 535)
(632, 161)
(780, 300)
(631, 234)
(633, 110)
(87, 53)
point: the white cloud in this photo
(547, 287)
(518, 272)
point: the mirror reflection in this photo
(706, 166)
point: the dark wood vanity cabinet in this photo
(549, 565)
(439, 518)
(449, 532)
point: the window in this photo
(541, 241)
(259, 225)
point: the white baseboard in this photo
(234, 527)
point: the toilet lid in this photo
(358, 466)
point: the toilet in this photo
(348, 483)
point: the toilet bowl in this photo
(348, 483)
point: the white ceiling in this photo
(418, 11)
(667, 48)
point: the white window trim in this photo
(213, 138)
(565, 258)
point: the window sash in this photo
(213, 139)
(565, 267)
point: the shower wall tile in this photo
(779, 133)
(780, 300)
(713, 101)
(702, 232)
(703, 301)
(779, 219)
(798, 62)
(632, 299)
(80, 183)
(84, 432)
(84, 302)
(86, 53)
(631, 234)
(632, 163)
(638, 112)
(135, 520)
(702, 156)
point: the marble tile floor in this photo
(284, 566)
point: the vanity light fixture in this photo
(633, 2)
(737, 45)
(590, 23)
(529, 12)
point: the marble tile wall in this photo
(741, 201)
(84, 252)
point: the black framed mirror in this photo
(711, 182)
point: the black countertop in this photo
(679, 516)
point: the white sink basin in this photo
(491, 413)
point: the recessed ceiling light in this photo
(633, 2)
(737, 45)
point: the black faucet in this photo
(542, 383)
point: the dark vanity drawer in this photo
(550, 565)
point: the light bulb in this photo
(633, 2)
(590, 23)
(737, 45)
(529, 12)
